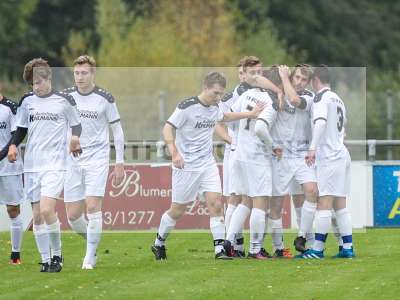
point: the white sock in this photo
(217, 227)
(79, 226)
(166, 225)
(322, 225)
(298, 216)
(276, 229)
(257, 227)
(94, 230)
(54, 232)
(307, 217)
(343, 220)
(228, 214)
(336, 230)
(42, 241)
(237, 222)
(16, 232)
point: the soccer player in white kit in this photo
(291, 134)
(86, 176)
(11, 189)
(252, 169)
(45, 115)
(332, 161)
(194, 170)
(250, 67)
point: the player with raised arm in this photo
(332, 161)
(250, 67)
(44, 115)
(11, 189)
(252, 168)
(188, 135)
(291, 135)
(86, 176)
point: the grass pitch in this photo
(127, 270)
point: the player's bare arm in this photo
(265, 83)
(252, 114)
(222, 132)
(169, 138)
(284, 73)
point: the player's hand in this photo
(284, 71)
(12, 153)
(310, 158)
(177, 161)
(75, 146)
(119, 173)
(278, 152)
(257, 110)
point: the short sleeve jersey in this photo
(47, 119)
(97, 110)
(8, 110)
(194, 123)
(328, 106)
(249, 147)
(292, 129)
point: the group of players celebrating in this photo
(281, 140)
(67, 149)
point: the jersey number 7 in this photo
(247, 127)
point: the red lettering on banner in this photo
(143, 196)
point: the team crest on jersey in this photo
(3, 125)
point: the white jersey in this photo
(249, 147)
(8, 110)
(194, 123)
(292, 128)
(47, 119)
(328, 106)
(97, 110)
(226, 103)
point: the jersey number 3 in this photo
(340, 119)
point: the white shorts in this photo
(334, 177)
(84, 181)
(227, 171)
(11, 190)
(290, 174)
(253, 180)
(43, 184)
(186, 185)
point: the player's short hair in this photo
(249, 61)
(272, 74)
(85, 59)
(214, 78)
(305, 69)
(36, 67)
(322, 73)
